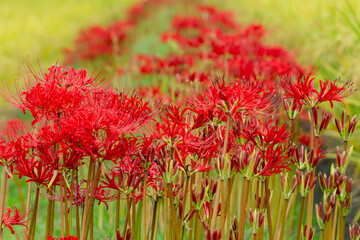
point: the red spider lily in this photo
(128, 175)
(61, 92)
(304, 91)
(99, 41)
(237, 99)
(101, 194)
(13, 129)
(15, 219)
(35, 170)
(273, 162)
(120, 113)
(7, 150)
(177, 132)
(263, 135)
(226, 47)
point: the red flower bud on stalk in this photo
(212, 187)
(346, 205)
(287, 188)
(327, 184)
(324, 213)
(354, 232)
(199, 197)
(343, 187)
(326, 117)
(305, 181)
(342, 161)
(256, 219)
(234, 230)
(347, 130)
(292, 108)
(302, 159)
(308, 233)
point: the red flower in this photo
(304, 91)
(15, 219)
(239, 98)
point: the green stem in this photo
(117, 218)
(216, 205)
(184, 207)
(86, 203)
(165, 214)
(88, 208)
(321, 234)
(268, 209)
(172, 207)
(49, 213)
(133, 216)
(26, 230)
(67, 228)
(335, 219)
(2, 198)
(283, 220)
(71, 199)
(31, 235)
(310, 197)
(62, 206)
(127, 220)
(279, 213)
(228, 205)
(253, 236)
(243, 203)
(154, 221)
(302, 209)
(77, 207)
(223, 209)
(341, 224)
(144, 206)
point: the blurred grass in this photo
(323, 34)
(41, 29)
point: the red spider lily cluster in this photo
(195, 162)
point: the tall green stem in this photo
(184, 207)
(87, 211)
(2, 198)
(310, 197)
(31, 235)
(71, 199)
(144, 206)
(154, 222)
(25, 235)
(268, 209)
(243, 203)
(302, 209)
(283, 220)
